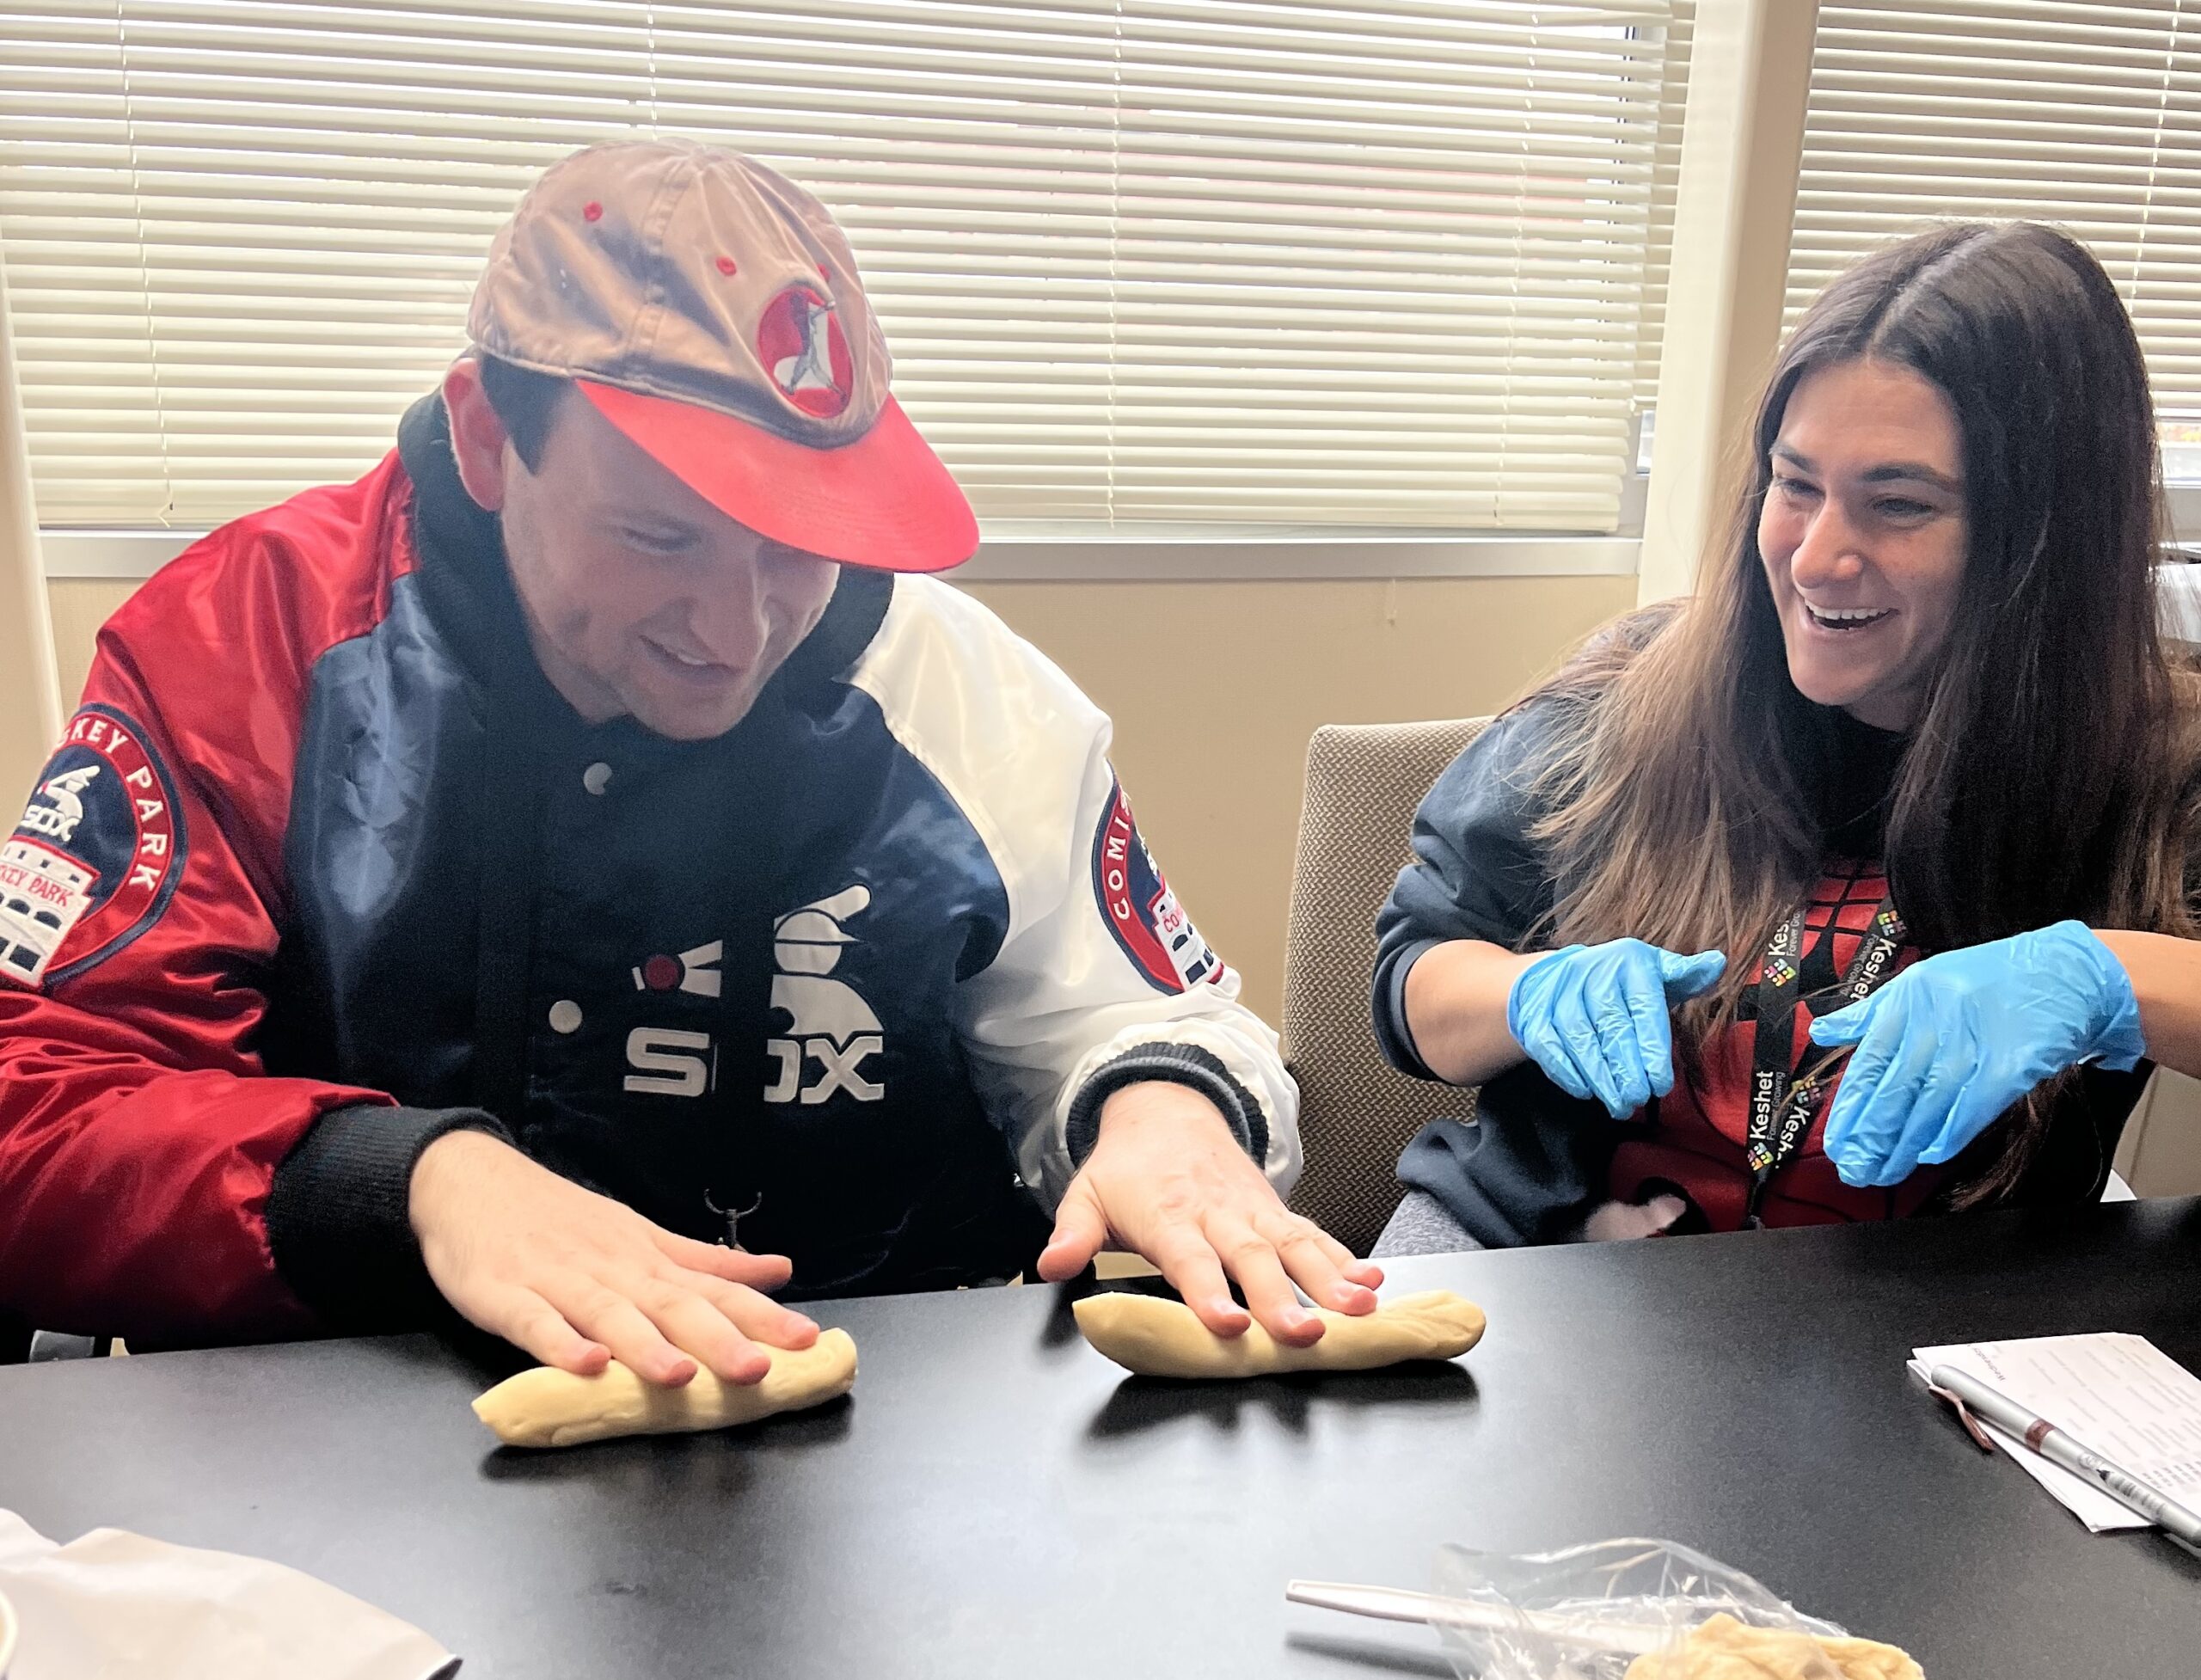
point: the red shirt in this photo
(1694, 1143)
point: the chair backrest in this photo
(1356, 1111)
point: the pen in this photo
(2044, 1439)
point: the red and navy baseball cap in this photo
(711, 309)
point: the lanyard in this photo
(1783, 1097)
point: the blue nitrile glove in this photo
(1952, 1041)
(1594, 1018)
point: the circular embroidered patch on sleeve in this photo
(1139, 908)
(96, 856)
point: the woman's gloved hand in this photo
(1952, 1042)
(1594, 1017)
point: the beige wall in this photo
(80, 607)
(1215, 688)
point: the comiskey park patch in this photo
(96, 856)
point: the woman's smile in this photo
(1844, 620)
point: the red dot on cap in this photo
(726, 265)
(592, 211)
(660, 973)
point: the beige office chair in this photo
(1356, 1113)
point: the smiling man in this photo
(584, 869)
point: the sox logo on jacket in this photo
(828, 1021)
(860, 956)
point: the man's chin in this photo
(692, 718)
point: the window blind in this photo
(1679, 31)
(1336, 264)
(2088, 116)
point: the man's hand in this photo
(1169, 1180)
(577, 1279)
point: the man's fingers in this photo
(758, 1317)
(1360, 1271)
(596, 1309)
(1251, 1258)
(699, 1327)
(1080, 1230)
(532, 1325)
(736, 1266)
(1317, 1264)
(1190, 1266)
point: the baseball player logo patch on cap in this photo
(96, 856)
(1139, 908)
(800, 343)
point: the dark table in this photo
(995, 1500)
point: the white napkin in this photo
(116, 1606)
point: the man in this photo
(571, 868)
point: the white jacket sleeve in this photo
(1101, 978)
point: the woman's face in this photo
(1863, 536)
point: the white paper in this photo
(124, 1608)
(2120, 1395)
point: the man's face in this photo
(641, 599)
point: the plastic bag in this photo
(1637, 1609)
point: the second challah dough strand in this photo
(1152, 1337)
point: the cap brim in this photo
(883, 501)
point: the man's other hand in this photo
(577, 1279)
(1169, 1180)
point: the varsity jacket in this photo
(324, 869)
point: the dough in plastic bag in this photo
(1722, 1648)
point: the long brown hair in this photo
(2048, 774)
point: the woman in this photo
(1857, 885)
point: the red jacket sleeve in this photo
(139, 900)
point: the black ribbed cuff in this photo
(1393, 1032)
(340, 1214)
(1172, 1064)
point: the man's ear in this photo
(477, 436)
